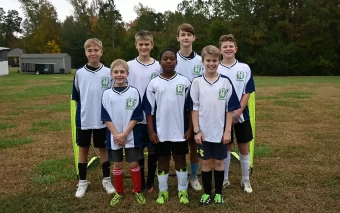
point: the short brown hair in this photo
(186, 28)
(118, 62)
(94, 41)
(229, 37)
(210, 50)
(143, 35)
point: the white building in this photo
(3, 61)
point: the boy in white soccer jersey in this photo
(142, 69)
(242, 79)
(165, 102)
(121, 109)
(89, 84)
(214, 100)
(190, 65)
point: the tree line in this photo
(275, 37)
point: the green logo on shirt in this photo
(240, 76)
(105, 82)
(154, 75)
(180, 89)
(222, 94)
(197, 69)
(130, 103)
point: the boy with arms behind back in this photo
(242, 79)
(89, 84)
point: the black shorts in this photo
(131, 155)
(210, 150)
(167, 147)
(84, 137)
(242, 131)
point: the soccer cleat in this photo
(81, 190)
(218, 199)
(195, 184)
(163, 196)
(140, 198)
(107, 185)
(116, 199)
(226, 183)
(246, 186)
(183, 197)
(205, 199)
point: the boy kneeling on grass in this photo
(121, 109)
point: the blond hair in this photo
(143, 35)
(210, 50)
(118, 62)
(186, 28)
(94, 41)
(229, 37)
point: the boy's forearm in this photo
(228, 122)
(190, 127)
(243, 103)
(194, 115)
(130, 126)
(111, 127)
(149, 122)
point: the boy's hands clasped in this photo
(120, 139)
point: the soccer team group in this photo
(181, 102)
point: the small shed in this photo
(45, 63)
(13, 57)
(3, 61)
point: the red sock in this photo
(118, 176)
(136, 179)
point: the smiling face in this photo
(93, 54)
(168, 61)
(144, 47)
(211, 63)
(228, 49)
(185, 38)
(119, 75)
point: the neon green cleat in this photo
(116, 199)
(140, 198)
(183, 197)
(163, 196)
(218, 199)
(205, 199)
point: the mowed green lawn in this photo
(296, 163)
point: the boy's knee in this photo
(118, 165)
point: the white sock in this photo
(245, 166)
(163, 182)
(226, 166)
(182, 178)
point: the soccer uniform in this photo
(120, 106)
(212, 100)
(190, 66)
(243, 82)
(88, 86)
(167, 100)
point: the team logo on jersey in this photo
(105, 82)
(130, 103)
(197, 69)
(180, 89)
(222, 94)
(154, 75)
(240, 76)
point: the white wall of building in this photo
(3, 68)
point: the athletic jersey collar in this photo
(191, 56)
(218, 78)
(119, 93)
(236, 61)
(168, 79)
(93, 71)
(145, 64)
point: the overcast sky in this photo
(125, 7)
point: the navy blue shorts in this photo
(141, 131)
(212, 150)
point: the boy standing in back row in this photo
(242, 79)
(142, 69)
(190, 65)
(89, 84)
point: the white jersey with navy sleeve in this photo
(212, 100)
(243, 82)
(189, 67)
(88, 88)
(140, 75)
(120, 108)
(167, 100)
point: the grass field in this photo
(296, 164)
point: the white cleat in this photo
(246, 186)
(195, 184)
(107, 185)
(81, 190)
(226, 183)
